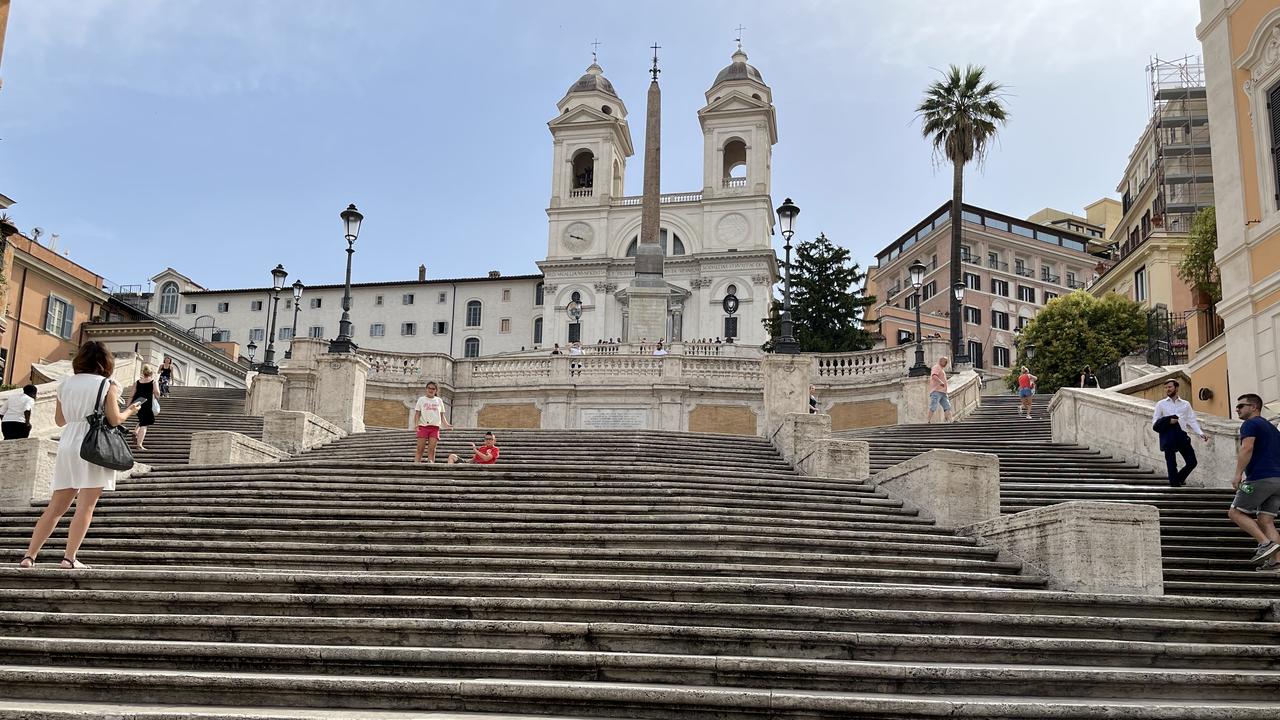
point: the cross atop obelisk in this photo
(648, 294)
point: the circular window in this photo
(731, 290)
(756, 96)
(606, 109)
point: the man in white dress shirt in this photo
(1173, 417)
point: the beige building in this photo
(1241, 40)
(1012, 267)
(1100, 218)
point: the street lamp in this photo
(787, 213)
(252, 348)
(269, 366)
(297, 305)
(917, 271)
(1029, 350)
(960, 357)
(351, 219)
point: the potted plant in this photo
(7, 226)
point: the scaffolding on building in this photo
(1182, 165)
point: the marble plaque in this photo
(614, 418)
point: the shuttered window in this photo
(1273, 111)
(59, 317)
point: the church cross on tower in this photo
(654, 70)
(595, 45)
(739, 30)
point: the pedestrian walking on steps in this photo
(144, 391)
(486, 454)
(166, 376)
(1026, 391)
(16, 423)
(813, 399)
(1257, 481)
(429, 416)
(1172, 418)
(938, 390)
(75, 479)
(1088, 379)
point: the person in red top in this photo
(1026, 389)
(486, 454)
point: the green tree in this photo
(1078, 330)
(1198, 268)
(827, 300)
(960, 113)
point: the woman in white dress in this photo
(75, 479)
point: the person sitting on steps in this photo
(486, 454)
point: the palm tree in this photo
(960, 113)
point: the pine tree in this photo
(827, 300)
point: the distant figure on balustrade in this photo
(556, 350)
(429, 416)
(1257, 481)
(16, 422)
(1026, 391)
(145, 391)
(1172, 418)
(813, 399)
(486, 454)
(938, 390)
(74, 478)
(660, 350)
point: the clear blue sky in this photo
(224, 136)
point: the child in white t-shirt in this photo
(429, 415)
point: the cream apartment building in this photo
(1012, 267)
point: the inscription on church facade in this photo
(614, 418)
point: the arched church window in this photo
(473, 313)
(471, 347)
(169, 298)
(584, 169)
(735, 159)
(537, 331)
(672, 245)
(538, 294)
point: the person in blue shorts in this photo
(1257, 481)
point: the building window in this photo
(1000, 287)
(911, 302)
(999, 320)
(1273, 104)
(537, 329)
(1071, 280)
(169, 298)
(189, 308)
(575, 332)
(1020, 266)
(439, 327)
(256, 305)
(223, 307)
(288, 305)
(471, 347)
(731, 327)
(972, 281)
(377, 330)
(1022, 322)
(316, 302)
(316, 331)
(1000, 356)
(1049, 296)
(285, 333)
(59, 317)
(1140, 284)
(257, 335)
(506, 294)
(409, 328)
(406, 299)
(1026, 294)
(539, 295)
(905, 336)
(220, 336)
(441, 299)
(504, 325)
(972, 315)
(473, 313)
(377, 300)
(929, 289)
(993, 260)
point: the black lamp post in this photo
(1029, 350)
(351, 218)
(252, 348)
(962, 353)
(297, 305)
(269, 366)
(787, 344)
(917, 271)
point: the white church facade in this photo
(716, 242)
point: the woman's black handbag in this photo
(105, 445)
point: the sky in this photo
(221, 137)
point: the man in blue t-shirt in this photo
(1257, 481)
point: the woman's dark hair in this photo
(93, 358)
(29, 390)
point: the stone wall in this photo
(509, 415)
(855, 414)
(384, 413)
(726, 419)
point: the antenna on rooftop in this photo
(36, 233)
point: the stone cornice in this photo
(148, 328)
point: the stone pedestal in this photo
(222, 447)
(1089, 547)
(339, 393)
(26, 470)
(953, 488)
(648, 317)
(299, 391)
(293, 431)
(265, 394)
(786, 388)
(804, 440)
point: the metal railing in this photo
(1049, 277)
(997, 265)
(1024, 272)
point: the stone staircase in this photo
(589, 574)
(1204, 552)
(188, 410)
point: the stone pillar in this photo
(798, 432)
(340, 387)
(28, 470)
(1088, 547)
(294, 431)
(265, 394)
(950, 487)
(299, 392)
(786, 388)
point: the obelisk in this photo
(648, 296)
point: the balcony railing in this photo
(734, 182)
(580, 192)
(997, 265)
(1024, 272)
(1051, 278)
(663, 199)
(1075, 284)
